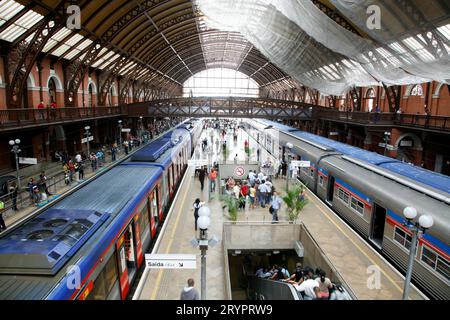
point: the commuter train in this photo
(91, 244)
(370, 191)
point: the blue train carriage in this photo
(171, 152)
(87, 246)
(363, 186)
(373, 204)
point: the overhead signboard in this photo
(126, 130)
(197, 163)
(406, 143)
(84, 140)
(27, 160)
(300, 164)
(389, 146)
(171, 261)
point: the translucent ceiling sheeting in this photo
(316, 51)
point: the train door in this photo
(378, 222)
(169, 181)
(138, 235)
(154, 211)
(330, 193)
(127, 260)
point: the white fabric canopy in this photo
(319, 53)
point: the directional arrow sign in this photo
(171, 261)
(84, 140)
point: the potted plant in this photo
(294, 202)
(232, 204)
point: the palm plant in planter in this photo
(294, 203)
(232, 204)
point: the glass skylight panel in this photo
(412, 43)
(445, 31)
(61, 50)
(397, 47)
(84, 44)
(72, 54)
(20, 26)
(8, 9)
(57, 38)
(74, 40)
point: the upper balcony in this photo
(419, 121)
(13, 119)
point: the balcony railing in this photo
(441, 123)
(16, 118)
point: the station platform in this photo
(351, 255)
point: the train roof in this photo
(153, 151)
(45, 243)
(427, 177)
(108, 195)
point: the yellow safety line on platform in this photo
(356, 245)
(172, 236)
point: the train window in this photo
(311, 172)
(320, 180)
(402, 237)
(435, 261)
(357, 205)
(110, 273)
(98, 291)
(143, 219)
(344, 196)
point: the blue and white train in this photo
(91, 243)
(370, 192)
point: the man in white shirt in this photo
(260, 176)
(311, 289)
(262, 195)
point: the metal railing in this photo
(10, 118)
(263, 289)
(386, 118)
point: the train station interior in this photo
(224, 150)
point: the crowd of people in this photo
(257, 190)
(311, 284)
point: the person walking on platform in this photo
(189, 292)
(2, 222)
(113, 152)
(276, 204)
(13, 190)
(212, 178)
(201, 178)
(197, 205)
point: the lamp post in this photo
(289, 147)
(387, 135)
(203, 223)
(120, 133)
(417, 228)
(87, 134)
(141, 127)
(15, 148)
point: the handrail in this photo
(34, 116)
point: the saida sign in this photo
(171, 261)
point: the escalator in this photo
(263, 289)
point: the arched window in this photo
(52, 90)
(220, 82)
(417, 90)
(370, 99)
